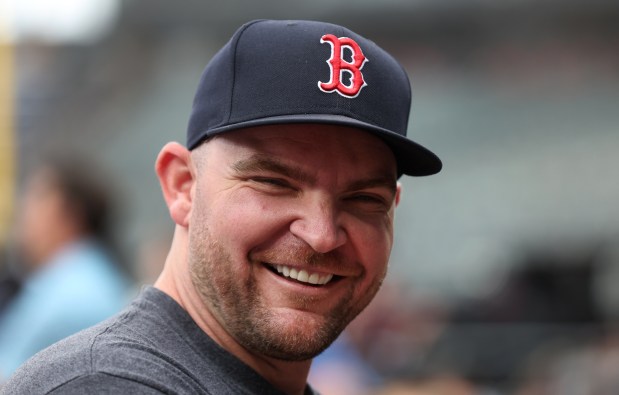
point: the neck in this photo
(288, 377)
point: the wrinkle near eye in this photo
(264, 163)
(363, 186)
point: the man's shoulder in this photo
(86, 383)
(56, 365)
(128, 349)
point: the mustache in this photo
(300, 254)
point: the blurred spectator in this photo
(341, 370)
(70, 281)
(9, 282)
(569, 368)
(545, 306)
(9, 285)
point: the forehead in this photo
(328, 147)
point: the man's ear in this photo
(398, 193)
(176, 175)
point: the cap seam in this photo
(234, 63)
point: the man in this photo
(283, 202)
(71, 281)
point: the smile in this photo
(303, 276)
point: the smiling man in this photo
(283, 201)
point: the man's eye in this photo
(370, 199)
(271, 181)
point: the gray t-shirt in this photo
(152, 347)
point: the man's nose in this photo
(319, 225)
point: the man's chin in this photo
(290, 353)
(297, 337)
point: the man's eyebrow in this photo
(260, 162)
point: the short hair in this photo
(88, 201)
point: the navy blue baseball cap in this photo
(284, 72)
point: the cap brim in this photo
(413, 159)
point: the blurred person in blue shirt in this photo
(70, 280)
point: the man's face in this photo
(290, 233)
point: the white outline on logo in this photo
(342, 71)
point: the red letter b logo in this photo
(339, 66)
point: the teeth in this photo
(303, 276)
(313, 279)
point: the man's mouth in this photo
(302, 276)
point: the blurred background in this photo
(505, 271)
